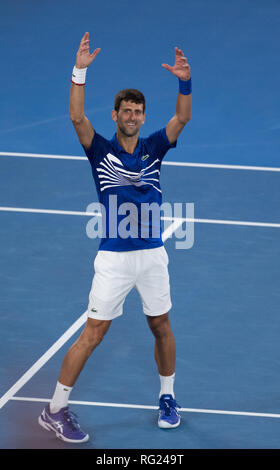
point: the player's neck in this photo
(129, 144)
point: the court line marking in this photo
(43, 359)
(183, 219)
(165, 162)
(149, 407)
(61, 341)
(82, 319)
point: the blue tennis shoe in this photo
(168, 414)
(64, 423)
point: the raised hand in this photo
(83, 57)
(181, 68)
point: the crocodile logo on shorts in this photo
(145, 157)
(93, 310)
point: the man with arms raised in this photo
(126, 170)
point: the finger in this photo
(167, 67)
(84, 51)
(178, 51)
(84, 43)
(85, 36)
(84, 47)
(95, 53)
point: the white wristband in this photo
(79, 76)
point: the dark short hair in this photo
(129, 94)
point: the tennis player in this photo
(126, 170)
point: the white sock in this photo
(167, 385)
(60, 397)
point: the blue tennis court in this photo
(225, 288)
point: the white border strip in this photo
(171, 229)
(149, 407)
(220, 166)
(41, 155)
(174, 226)
(190, 164)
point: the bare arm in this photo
(181, 69)
(81, 123)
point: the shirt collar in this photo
(119, 148)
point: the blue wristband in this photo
(185, 87)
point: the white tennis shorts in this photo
(117, 272)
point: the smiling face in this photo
(129, 118)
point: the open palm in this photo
(181, 68)
(83, 57)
